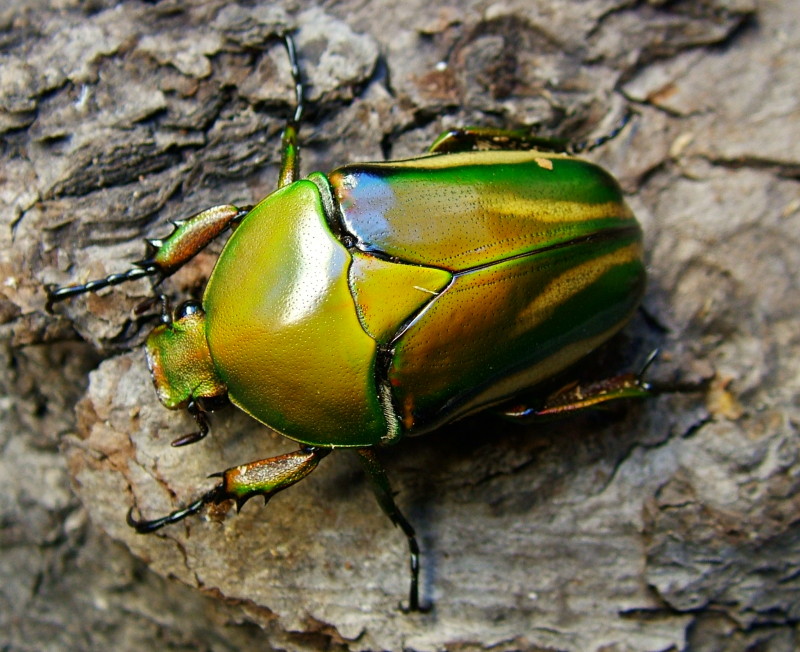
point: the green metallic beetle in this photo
(383, 300)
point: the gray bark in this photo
(665, 524)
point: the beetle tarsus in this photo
(144, 526)
(163, 256)
(60, 293)
(290, 152)
(651, 358)
(413, 591)
(291, 51)
(589, 145)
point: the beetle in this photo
(384, 300)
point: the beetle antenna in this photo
(589, 145)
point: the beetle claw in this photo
(50, 288)
(144, 526)
(415, 609)
(191, 438)
(199, 415)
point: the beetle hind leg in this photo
(467, 139)
(582, 396)
(385, 497)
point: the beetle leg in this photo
(290, 156)
(164, 256)
(201, 418)
(290, 151)
(385, 497)
(467, 139)
(576, 396)
(240, 483)
(589, 145)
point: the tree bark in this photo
(665, 524)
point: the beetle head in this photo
(180, 361)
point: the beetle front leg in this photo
(241, 483)
(385, 497)
(200, 417)
(164, 256)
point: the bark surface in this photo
(665, 524)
